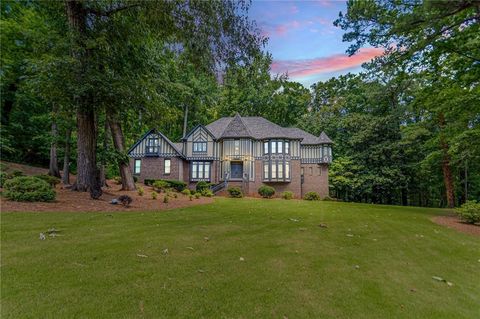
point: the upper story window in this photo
(276, 147)
(236, 147)
(152, 145)
(199, 147)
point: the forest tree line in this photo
(83, 80)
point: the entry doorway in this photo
(236, 169)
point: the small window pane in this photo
(265, 147)
(287, 147)
(274, 171)
(200, 170)
(287, 170)
(280, 170)
(274, 147)
(167, 166)
(236, 147)
(195, 170)
(207, 170)
(265, 170)
(280, 147)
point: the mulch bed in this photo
(70, 201)
(455, 223)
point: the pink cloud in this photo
(337, 62)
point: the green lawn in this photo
(292, 268)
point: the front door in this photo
(236, 170)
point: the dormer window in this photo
(199, 147)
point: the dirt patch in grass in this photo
(70, 201)
(455, 223)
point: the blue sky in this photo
(303, 40)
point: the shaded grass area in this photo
(371, 262)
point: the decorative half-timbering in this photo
(243, 151)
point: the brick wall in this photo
(315, 179)
(154, 168)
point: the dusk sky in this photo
(303, 40)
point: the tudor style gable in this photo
(154, 144)
(200, 144)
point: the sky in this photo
(303, 40)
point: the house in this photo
(238, 151)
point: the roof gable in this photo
(236, 128)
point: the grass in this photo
(291, 269)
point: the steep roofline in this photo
(154, 130)
(196, 127)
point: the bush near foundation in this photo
(266, 191)
(311, 196)
(235, 192)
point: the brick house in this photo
(238, 151)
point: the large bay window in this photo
(200, 170)
(276, 147)
(276, 171)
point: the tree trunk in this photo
(66, 158)
(53, 166)
(446, 168)
(88, 177)
(185, 121)
(128, 182)
(106, 138)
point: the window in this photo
(236, 147)
(287, 170)
(280, 147)
(199, 147)
(200, 170)
(265, 147)
(152, 145)
(274, 171)
(279, 169)
(167, 166)
(136, 168)
(265, 170)
(287, 147)
(274, 147)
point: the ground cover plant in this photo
(240, 259)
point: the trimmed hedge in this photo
(177, 185)
(235, 192)
(28, 189)
(266, 191)
(311, 196)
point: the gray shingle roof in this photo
(260, 128)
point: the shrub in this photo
(160, 185)
(135, 178)
(287, 195)
(190, 197)
(51, 180)
(202, 185)
(177, 185)
(125, 200)
(329, 199)
(311, 196)
(198, 195)
(207, 192)
(17, 173)
(235, 192)
(28, 189)
(266, 191)
(165, 199)
(3, 177)
(148, 181)
(469, 212)
(154, 195)
(3, 167)
(186, 192)
(140, 191)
